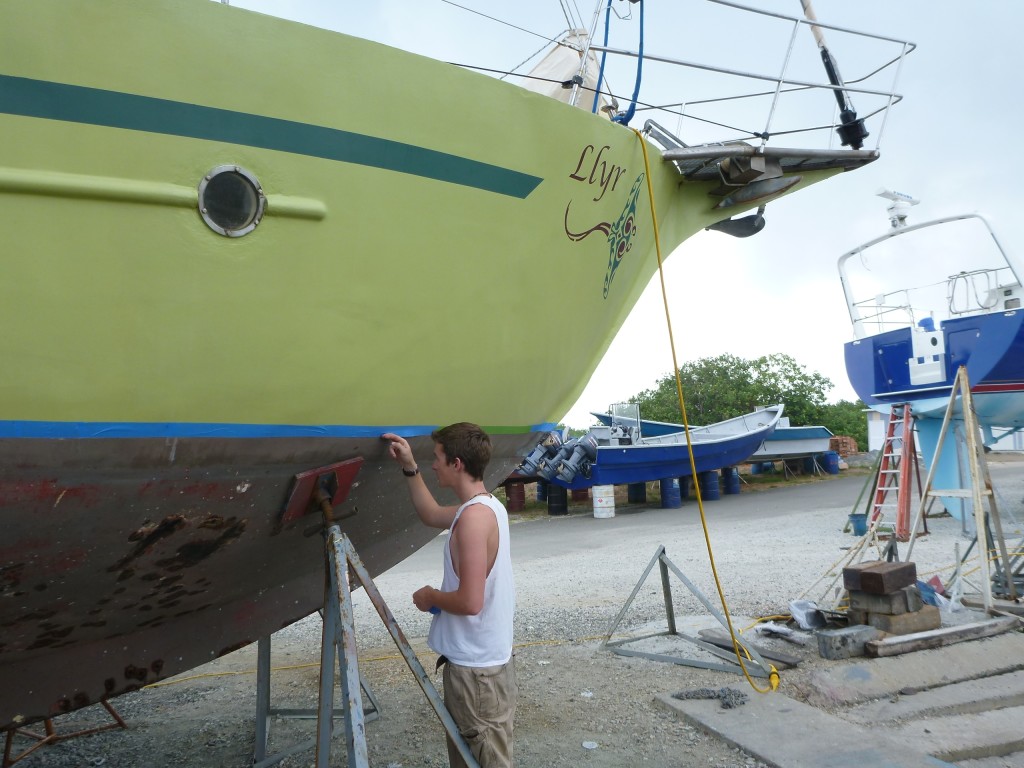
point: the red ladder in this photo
(899, 458)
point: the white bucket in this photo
(604, 500)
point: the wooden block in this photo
(853, 574)
(907, 623)
(722, 640)
(888, 578)
(920, 641)
(904, 600)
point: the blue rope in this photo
(604, 56)
(624, 119)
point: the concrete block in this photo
(906, 623)
(904, 600)
(846, 642)
(856, 616)
(888, 578)
(853, 574)
(878, 577)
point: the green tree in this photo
(718, 388)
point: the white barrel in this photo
(604, 500)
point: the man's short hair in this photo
(468, 442)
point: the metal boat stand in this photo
(339, 640)
(264, 712)
(987, 524)
(728, 663)
(52, 737)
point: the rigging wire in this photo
(773, 675)
(528, 58)
(500, 21)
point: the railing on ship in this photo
(781, 84)
(967, 293)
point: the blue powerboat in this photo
(945, 295)
(784, 443)
(622, 452)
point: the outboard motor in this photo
(549, 464)
(584, 453)
(545, 449)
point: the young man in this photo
(473, 609)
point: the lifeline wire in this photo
(773, 676)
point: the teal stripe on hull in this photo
(93, 106)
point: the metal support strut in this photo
(759, 668)
(51, 736)
(339, 641)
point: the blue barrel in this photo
(558, 500)
(684, 487)
(831, 462)
(670, 493)
(636, 493)
(755, 468)
(859, 523)
(731, 480)
(808, 466)
(709, 489)
(542, 490)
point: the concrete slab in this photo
(996, 692)
(1016, 760)
(987, 734)
(785, 733)
(856, 682)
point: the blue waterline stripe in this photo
(88, 430)
(93, 106)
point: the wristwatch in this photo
(410, 472)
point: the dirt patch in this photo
(579, 705)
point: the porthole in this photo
(231, 201)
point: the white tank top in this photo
(484, 640)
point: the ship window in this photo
(231, 201)
(1013, 304)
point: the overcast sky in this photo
(948, 143)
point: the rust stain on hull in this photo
(163, 568)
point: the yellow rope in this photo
(773, 676)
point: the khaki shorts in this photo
(482, 701)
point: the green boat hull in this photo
(437, 246)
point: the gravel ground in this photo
(579, 704)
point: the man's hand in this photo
(424, 598)
(399, 450)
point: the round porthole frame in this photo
(252, 218)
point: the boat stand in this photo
(987, 524)
(264, 712)
(52, 737)
(728, 663)
(339, 640)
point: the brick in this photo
(846, 642)
(853, 574)
(879, 577)
(843, 445)
(904, 600)
(907, 623)
(888, 578)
